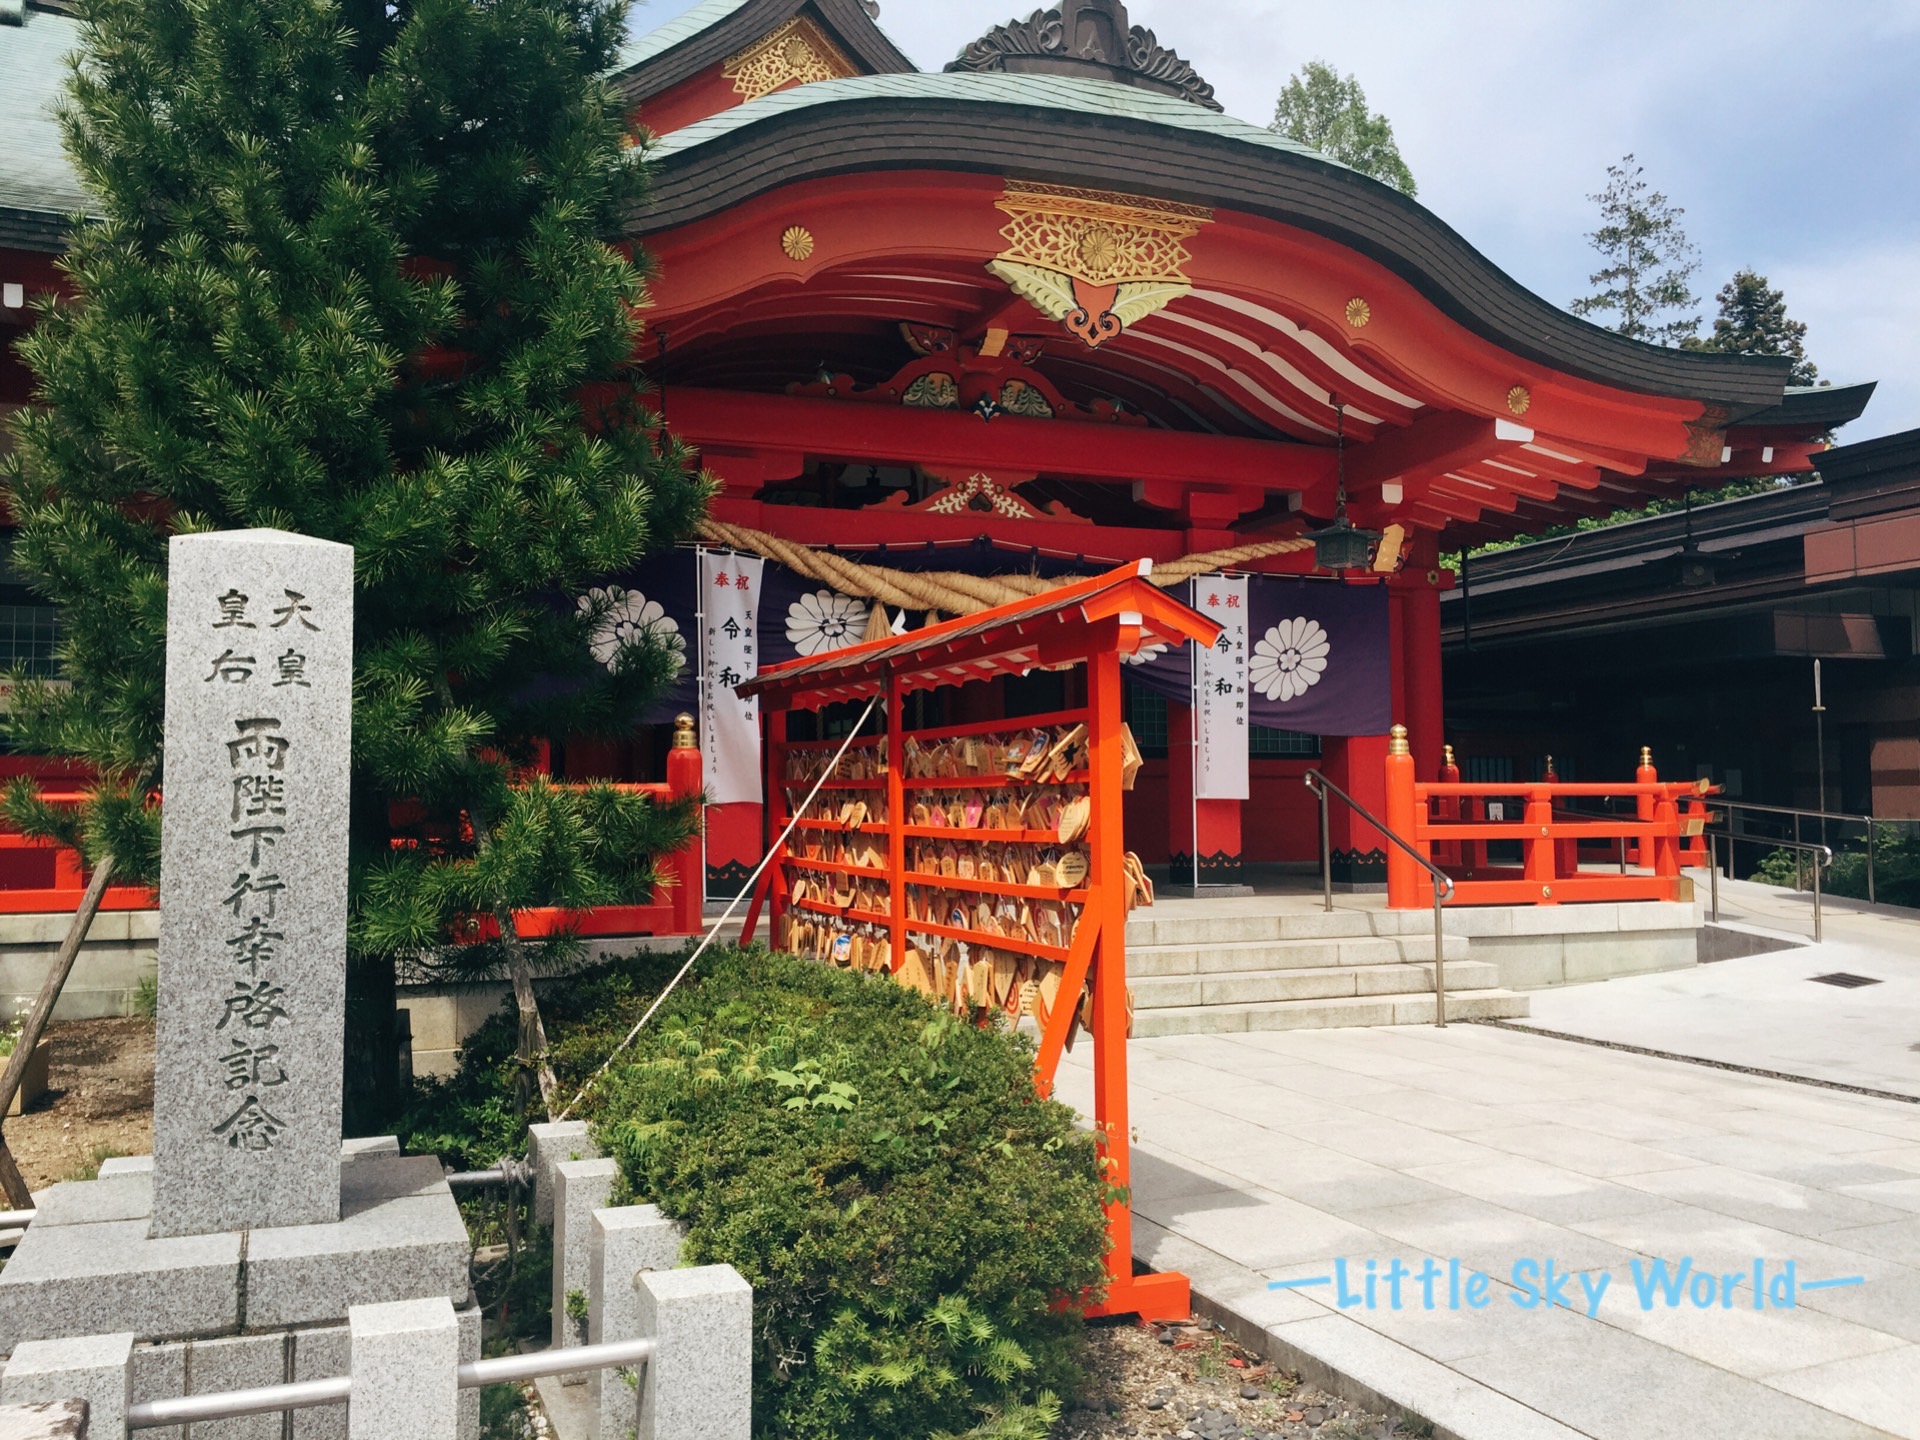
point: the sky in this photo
(1788, 130)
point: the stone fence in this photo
(690, 1330)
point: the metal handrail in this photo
(16, 1219)
(1798, 815)
(1442, 882)
(308, 1394)
(1713, 872)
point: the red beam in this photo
(886, 434)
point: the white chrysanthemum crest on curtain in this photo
(625, 617)
(1289, 659)
(823, 621)
(1145, 655)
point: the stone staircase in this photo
(1202, 975)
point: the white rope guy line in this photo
(745, 890)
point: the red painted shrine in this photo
(1049, 311)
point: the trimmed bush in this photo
(912, 1218)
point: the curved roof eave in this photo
(1098, 134)
(711, 31)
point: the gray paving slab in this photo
(1520, 1147)
(1796, 1209)
(1882, 1389)
(1764, 1010)
(1533, 1187)
(1615, 1386)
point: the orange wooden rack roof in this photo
(1041, 630)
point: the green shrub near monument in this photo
(909, 1214)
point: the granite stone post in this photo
(581, 1187)
(699, 1383)
(548, 1145)
(625, 1242)
(405, 1371)
(95, 1368)
(253, 902)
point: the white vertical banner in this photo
(729, 656)
(1220, 691)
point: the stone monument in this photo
(234, 1254)
(253, 883)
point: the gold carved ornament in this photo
(795, 54)
(1095, 261)
(797, 242)
(1359, 312)
(1519, 401)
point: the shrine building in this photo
(945, 337)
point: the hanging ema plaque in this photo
(253, 885)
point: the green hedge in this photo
(910, 1216)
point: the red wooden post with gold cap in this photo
(1643, 803)
(1446, 808)
(686, 778)
(1403, 875)
(1566, 853)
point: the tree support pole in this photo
(12, 1183)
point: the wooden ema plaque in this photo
(985, 861)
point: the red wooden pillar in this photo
(1643, 804)
(1537, 846)
(1157, 1297)
(1208, 828)
(688, 894)
(1417, 611)
(1403, 876)
(1357, 764)
(1566, 853)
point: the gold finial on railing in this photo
(683, 736)
(1398, 744)
(1646, 755)
(1448, 750)
(1549, 764)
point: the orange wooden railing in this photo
(1447, 822)
(41, 877)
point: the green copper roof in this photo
(34, 173)
(642, 48)
(1052, 92)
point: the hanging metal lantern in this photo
(1342, 546)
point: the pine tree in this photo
(355, 271)
(1753, 321)
(1647, 280)
(1327, 111)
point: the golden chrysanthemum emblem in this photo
(1358, 313)
(797, 242)
(1519, 400)
(1098, 248)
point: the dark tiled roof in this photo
(38, 189)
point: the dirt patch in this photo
(1192, 1381)
(99, 1100)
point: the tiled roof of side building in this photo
(38, 188)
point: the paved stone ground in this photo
(1764, 1011)
(1267, 1157)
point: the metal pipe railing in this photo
(1442, 882)
(1798, 815)
(16, 1219)
(309, 1394)
(1713, 872)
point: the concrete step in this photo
(1327, 1013)
(1166, 992)
(1242, 955)
(1144, 927)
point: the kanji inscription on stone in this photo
(253, 887)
